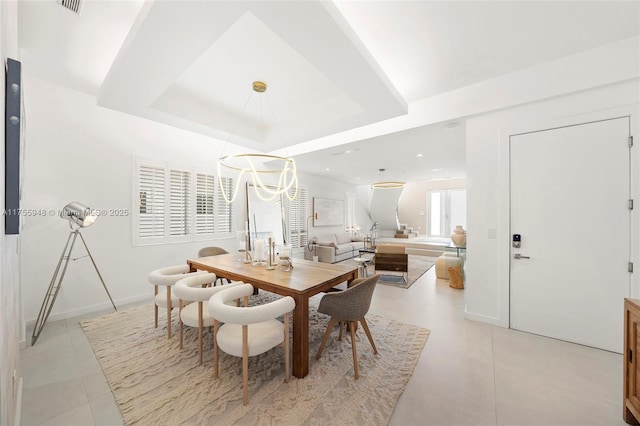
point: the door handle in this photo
(519, 256)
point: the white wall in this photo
(324, 188)
(10, 303)
(487, 267)
(76, 150)
(414, 200)
(384, 210)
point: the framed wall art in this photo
(327, 212)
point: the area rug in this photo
(154, 382)
(418, 265)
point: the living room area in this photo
(435, 207)
(133, 121)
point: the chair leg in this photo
(155, 293)
(169, 312)
(340, 324)
(216, 326)
(287, 371)
(332, 322)
(366, 330)
(200, 327)
(180, 322)
(353, 348)
(245, 364)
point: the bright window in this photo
(447, 208)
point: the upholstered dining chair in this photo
(213, 251)
(192, 289)
(349, 307)
(167, 277)
(249, 331)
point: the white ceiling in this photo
(330, 67)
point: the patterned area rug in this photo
(418, 265)
(154, 382)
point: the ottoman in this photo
(444, 262)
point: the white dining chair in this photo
(167, 277)
(193, 289)
(249, 331)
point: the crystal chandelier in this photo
(285, 170)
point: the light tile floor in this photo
(469, 373)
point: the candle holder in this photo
(271, 254)
(243, 247)
(284, 259)
(258, 253)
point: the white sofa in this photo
(336, 247)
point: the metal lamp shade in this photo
(79, 214)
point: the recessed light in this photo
(357, 178)
(435, 170)
(419, 155)
(327, 169)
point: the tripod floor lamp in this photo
(79, 216)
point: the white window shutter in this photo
(151, 202)
(205, 214)
(298, 212)
(224, 211)
(179, 203)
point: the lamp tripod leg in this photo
(52, 291)
(99, 276)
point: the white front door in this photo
(570, 205)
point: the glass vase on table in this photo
(284, 258)
(259, 252)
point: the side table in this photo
(362, 266)
(457, 249)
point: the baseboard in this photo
(483, 318)
(90, 309)
(18, 408)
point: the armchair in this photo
(192, 289)
(167, 277)
(392, 257)
(249, 331)
(350, 307)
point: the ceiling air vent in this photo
(72, 5)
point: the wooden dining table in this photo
(304, 280)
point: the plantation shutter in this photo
(205, 191)
(297, 216)
(151, 201)
(224, 212)
(179, 202)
